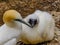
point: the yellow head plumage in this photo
(10, 15)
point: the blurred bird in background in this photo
(42, 28)
(11, 29)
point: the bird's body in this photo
(42, 31)
(9, 33)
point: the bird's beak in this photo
(22, 21)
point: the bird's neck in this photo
(16, 25)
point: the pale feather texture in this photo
(11, 42)
(43, 31)
(10, 29)
(8, 33)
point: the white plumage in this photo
(11, 42)
(42, 31)
(8, 33)
(11, 29)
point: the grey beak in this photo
(20, 20)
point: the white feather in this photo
(8, 33)
(11, 42)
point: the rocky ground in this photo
(26, 7)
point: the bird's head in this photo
(11, 16)
(32, 20)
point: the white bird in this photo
(11, 29)
(43, 28)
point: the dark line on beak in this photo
(20, 20)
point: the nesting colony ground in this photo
(26, 7)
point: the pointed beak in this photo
(22, 21)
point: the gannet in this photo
(11, 29)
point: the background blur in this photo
(26, 7)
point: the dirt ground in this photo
(26, 7)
